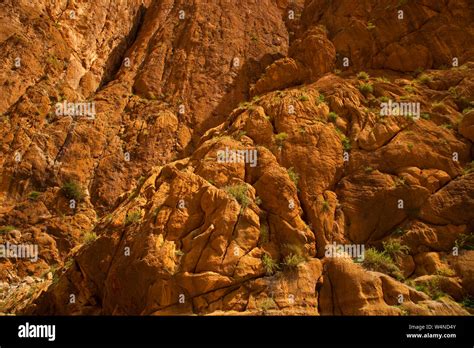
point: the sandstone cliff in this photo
(134, 211)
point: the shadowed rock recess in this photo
(237, 157)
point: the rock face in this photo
(237, 157)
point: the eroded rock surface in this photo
(142, 210)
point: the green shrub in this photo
(346, 143)
(394, 248)
(267, 304)
(465, 241)
(239, 193)
(468, 302)
(294, 176)
(375, 260)
(5, 229)
(72, 190)
(304, 98)
(384, 99)
(363, 76)
(89, 237)
(424, 78)
(34, 195)
(431, 288)
(269, 264)
(280, 138)
(293, 260)
(133, 217)
(332, 116)
(366, 88)
(294, 257)
(321, 98)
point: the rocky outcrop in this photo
(231, 147)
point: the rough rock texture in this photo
(135, 211)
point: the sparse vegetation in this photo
(5, 229)
(294, 257)
(445, 272)
(267, 304)
(447, 126)
(399, 181)
(409, 89)
(366, 88)
(89, 237)
(431, 288)
(363, 76)
(424, 78)
(321, 98)
(269, 264)
(468, 302)
(375, 260)
(72, 190)
(469, 168)
(133, 217)
(34, 195)
(384, 99)
(394, 248)
(294, 176)
(346, 143)
(425, 116)
(370, 26)
(304, 98)
(293, 260)
(245, 105)
(332, 116)
(368, 169)
(382, 79)
(465, 241)
(239, 193)
(280, 138)
(239, 134)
